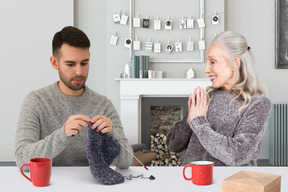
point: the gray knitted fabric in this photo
(223, 137)
(40, 131)
(101, 151)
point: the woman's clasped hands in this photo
(197, 104)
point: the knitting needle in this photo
(130, 152)
(134, 156)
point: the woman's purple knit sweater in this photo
(223, 136)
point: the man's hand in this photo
(75, 123)
(102, 123)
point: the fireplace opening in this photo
(159, 115)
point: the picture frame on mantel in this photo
(174, 11)
(281, 34)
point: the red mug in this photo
(40, 171)
(201, 172)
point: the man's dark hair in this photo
(70, 35)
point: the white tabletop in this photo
(168, 179)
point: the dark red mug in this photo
(201, 172)
(40, 171)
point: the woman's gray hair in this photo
(247, 83)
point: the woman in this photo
(225, 125)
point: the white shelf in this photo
(161, 79)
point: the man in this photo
(54, 120)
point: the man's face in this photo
(73, 66)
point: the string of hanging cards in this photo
(155, 23)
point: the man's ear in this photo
(238, 62)
(54, 62)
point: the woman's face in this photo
(221, 73)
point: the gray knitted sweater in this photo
(223, 137)
(40, 131)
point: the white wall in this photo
(27, 29)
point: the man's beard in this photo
(75, 87)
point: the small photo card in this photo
(178, 47)
(124, 19)
(168, 24)
(190, 46)
(145, 23)
(201, 23)
(168, 49)
(136, 45)
(128, 43)
(190, 23)
(136, 22)
(116, 18)
(201, 45)
(157, 47)
(157, 24)
(215, 20)
(182, 24)
(149, 47)
(113, 40)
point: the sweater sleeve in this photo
(178, 137)
(124, 159)
(28, 143)
(244, 145)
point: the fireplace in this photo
(133, 91)
(159, 114)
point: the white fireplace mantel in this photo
(131, 91)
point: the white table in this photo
(168, 179)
